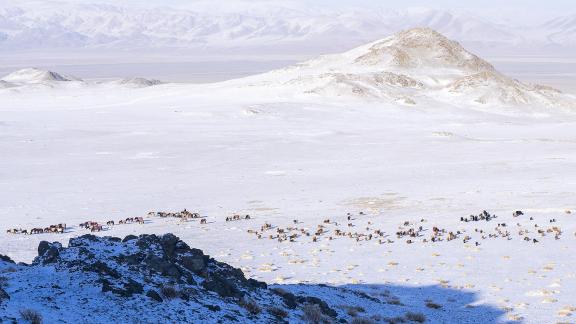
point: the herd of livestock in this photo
(350, 228)
(360, 229)
(94, 226)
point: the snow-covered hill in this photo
(412, 65)
(34, 75)
(150, 278)
(68, 25)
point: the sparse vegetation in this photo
(312, 313)
(278, 312)
(362, 320)
(415, 317)
(353, 310)
(433, 305)
(169, 292)
(31, 316)
(394, 301)
(396, 320)
(3, 282)
(251, 306)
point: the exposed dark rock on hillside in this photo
(159, 270)
(152, 279)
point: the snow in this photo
(76, 153)
(136, 82)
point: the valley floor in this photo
(103, 154)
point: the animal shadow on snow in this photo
(381, 302)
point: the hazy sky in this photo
(521, 5)
(535, 5)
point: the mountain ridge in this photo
(110, 26)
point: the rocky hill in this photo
(160, 279)
(153, 278)
(411, 66)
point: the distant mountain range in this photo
(412, 67)
(53, 25)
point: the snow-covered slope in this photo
(150, 278)
(5, 84)
(136, 82)
(415, 64)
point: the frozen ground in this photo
(76, 153)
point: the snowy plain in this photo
(75, 153)
(85, 154)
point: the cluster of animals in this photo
(237, 218)
(58, 229)
(94, 226)
(410, 232)
(97, 227)
(484, 216)
(183, 215)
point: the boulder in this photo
(194, 263)
(102, 268)
(257, 284)
(168, 242)
(133, 287)
(129, 238)
(154, 295)
(222, 286)
(43, 247)
(164, 267)
(49, 252)
(326, 310)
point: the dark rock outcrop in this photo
(155, 269)
(154, 295)
(5, 258)
(48, 252)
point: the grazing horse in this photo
(96, 228)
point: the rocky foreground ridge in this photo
(146, 278)
(160, 279)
